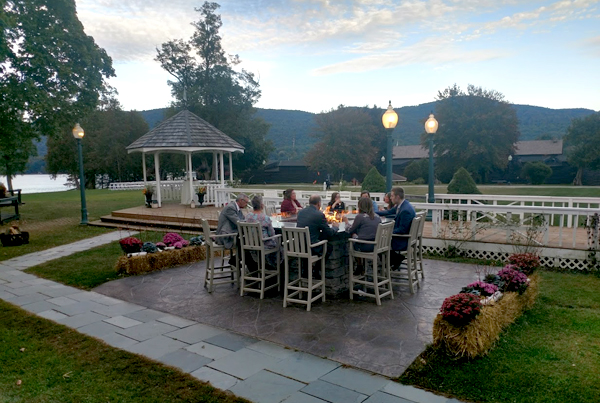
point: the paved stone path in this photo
(258, 370)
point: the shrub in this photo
(513, 279)
(462, 183)
(460, 309)
(374, 182)
(417, 170)
(149, 247)
(480, 288)
(525, 262)
(171, 238)
(537, 172)
(130, 244)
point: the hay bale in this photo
(478, 337)
(161, 260)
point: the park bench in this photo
(14, 201)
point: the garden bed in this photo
(160, 260)
(478, 337)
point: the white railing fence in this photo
(171, 190)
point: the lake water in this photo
(38, 183)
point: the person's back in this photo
(405, 213)
(229, 218)
(315, 220)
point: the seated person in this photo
(365, 193)
(389, 210)
(403, 220)
(228, 219)
(289, 205)
(315, 220)
(365, 225)
(336, 205)
(257, 215)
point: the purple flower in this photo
(171, 238)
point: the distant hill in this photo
(288, 125)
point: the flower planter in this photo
(201, 198)
(138, 264)
(14, 239)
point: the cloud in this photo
(434, 51)
(591, 46)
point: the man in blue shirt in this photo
(402, 221)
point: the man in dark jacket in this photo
(402, 221)
(315, 220)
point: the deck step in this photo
(149, 224)
(99, 223)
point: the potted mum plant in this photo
(148, 191)
(201, 194)
(131, 245)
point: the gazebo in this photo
(186, 133)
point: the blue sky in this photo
(314, 55)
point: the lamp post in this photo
(78, 134)
(389, 120)
(510, 158)
(431, 126)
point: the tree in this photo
(583, 144)
(417, 169)
(51, 75)
(537, 172)
(478, 130)
(108, 131)
(345, 142)
(207, 85)
(462, 183)
(374, 182)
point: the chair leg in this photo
(388, 267)
(323, 278)
(242, 270)
(351, 272)
(310, 283)
(262, 275)
(286, 267)
(375, 281)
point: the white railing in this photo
(171, 190)
(483, 222)
(514, 200)
(276, 195)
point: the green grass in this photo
(90, 268)
(52, 219)
(60, 365)
(551, 353)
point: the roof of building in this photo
(185, 132)
(522, 148)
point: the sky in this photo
(313, 55)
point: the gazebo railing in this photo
(171, 190)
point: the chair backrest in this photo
(296, 242)
(383, 237)
(250, 235)
(207, 233)
(421, 224)
(414, 229)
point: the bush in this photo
(130, 245)
(171, 238)
(525, 262)
(460, 309)
(374, 182)
(462, 183)
(513, 279)
(536, 172)
(480, 288)
(417, 170)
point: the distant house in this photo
(548, 151)
(297, 172)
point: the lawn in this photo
(42, 361)
(551, 354)
(90, 268)
(52, 219)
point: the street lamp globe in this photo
(383, 158)
(510, 158)
(431, 125)
(78, 132)
(390, 117)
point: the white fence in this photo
(171, 190)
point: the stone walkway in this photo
(258, 370)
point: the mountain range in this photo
(290, 129)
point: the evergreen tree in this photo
(207, 85)
(374, 182)
(462, 183)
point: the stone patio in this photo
(383, 339)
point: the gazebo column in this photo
(230, 166)
(157, 174)
(190, 176)
(144, 168)
(215, 171)
(222, 169)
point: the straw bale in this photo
(478, 337)
(160, 260)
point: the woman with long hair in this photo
(336, 205)
(289, 205)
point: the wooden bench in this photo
(10, 201)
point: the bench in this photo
(10, 201)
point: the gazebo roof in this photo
(185, 132)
